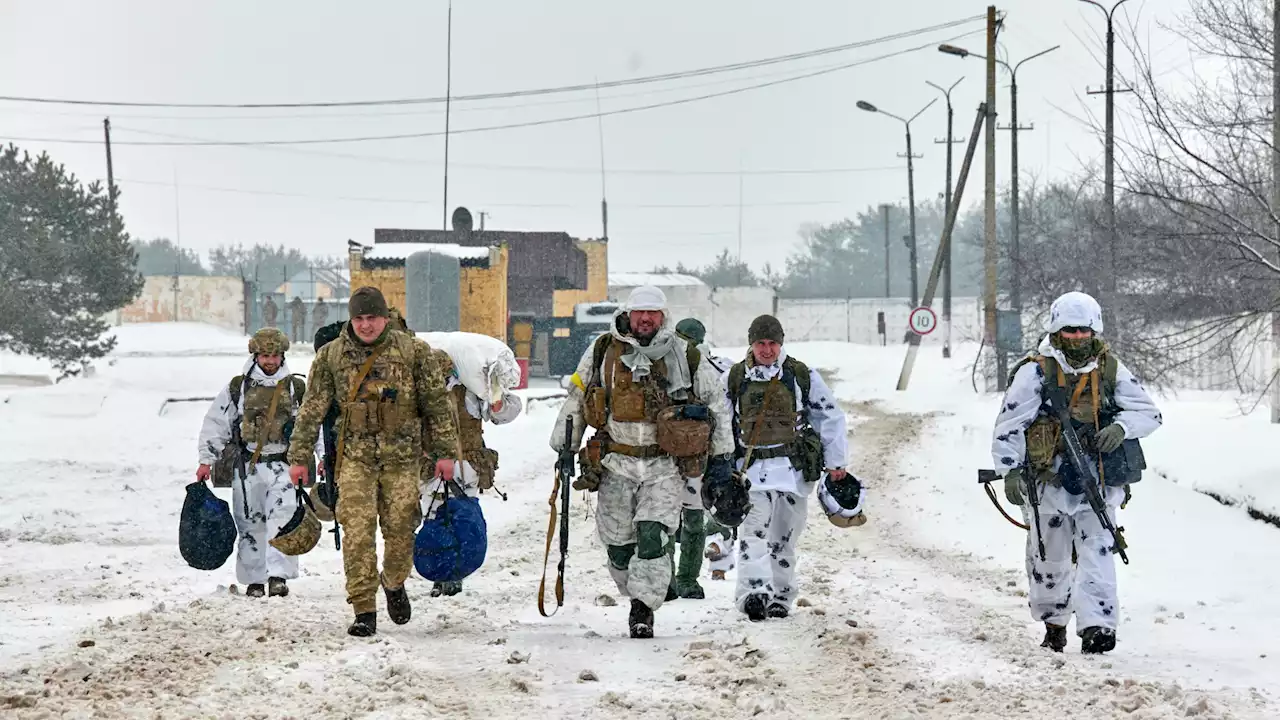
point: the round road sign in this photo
(922, 321)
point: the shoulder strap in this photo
(693, 356)
(800, 372)
(299, 389)
(1110, 368)
(598, 350)
(737, 377)
(237, 383)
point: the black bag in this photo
(206, 530)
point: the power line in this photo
(411, 201)
(512, 93)
(491, 128)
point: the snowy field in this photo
(921, 613)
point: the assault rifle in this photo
(1085, 470)
(560, 493)
(986, 477)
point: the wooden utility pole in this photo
(111, 175)
(448, 98)
(990, 249)
(950, 141)
(1275, 200)
(944, 245)
(887, 291)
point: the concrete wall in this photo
(732, 310)
(854, 320)
(682, 301)
(204, 299)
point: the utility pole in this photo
(604, 203)
(990, 249)
(949, 141)
(1112, 299)
(1275, 198)
(448, 98)
(177, 249)
(111, 176)
(739, 228)
(483, 214)
(911, 239)
(887, 293)
(911, 190)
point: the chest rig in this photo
(1092, 404)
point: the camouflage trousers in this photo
(638, 509)
(370, 498)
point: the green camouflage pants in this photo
(370, 497)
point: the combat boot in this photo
(778, 610)
(365, 625)
(1055, 637)
(754, 607)
(398, 606)
(1095, 640)
(276, 587)
(641, 620)
(256, 590)
(717, 575)
(446, 588)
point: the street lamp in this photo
(946, 275)
(1015, 294)
(911, 188)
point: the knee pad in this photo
(653, 539)
(620, 555)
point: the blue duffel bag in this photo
(206, 530)
(452, 543)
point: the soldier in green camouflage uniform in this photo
(400, 411)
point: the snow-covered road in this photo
(919, 613)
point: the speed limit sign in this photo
(922, 321)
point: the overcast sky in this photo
(316, 197)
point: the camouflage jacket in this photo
(400, 412)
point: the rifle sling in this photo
(546, 557)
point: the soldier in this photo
(693, 522)
(319, 314)
(627, 383)
(388, 387)
(269, 311)
(298, 317)
(256, 411)
(1111, 410)
(790, 431)
(479, 463)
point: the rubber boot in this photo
(692, 539)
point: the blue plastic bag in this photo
(452, 544)
(206, 530)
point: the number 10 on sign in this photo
(923, 321)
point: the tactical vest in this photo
(1092, 398)
(254, 421)
(614, 393)
(777, 420)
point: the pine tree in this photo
(65, 262)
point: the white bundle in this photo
(485, 365)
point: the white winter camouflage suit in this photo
(769, 535)
(1056, 588)
(266, 490)
(638, 490)
(463, 472)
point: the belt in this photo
(766, 453)
(635, 451)
(264, 458)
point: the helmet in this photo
(321, 493)
(1075, 309)
(302, 532)
(692, 329)
(842, 501)
(268, 341)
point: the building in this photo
(520, 287)
(311, 284)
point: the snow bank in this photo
(179, 338)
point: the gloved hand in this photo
(719, 469)
(1110, 438)
(1013, 486)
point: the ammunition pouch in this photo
(595, 411)
(807, 454)
(685, 430)
(485, 462)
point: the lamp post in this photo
(911, 189)
(946, 275)
(1015, 288)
